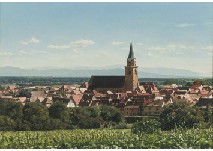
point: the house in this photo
(204, 92)
(149, 87)
(206, 87)
(196, 88)
(76, 98)
(184, 88)
(131, 110)
(66, 88)
(21, 99)
(86, 99)
(155, 107)
(12, 88)
(82, 90)
(47, 102)
(85, 85)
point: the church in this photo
(118, 84)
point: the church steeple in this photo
(131, 53)
(131, 74)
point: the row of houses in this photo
(147, 99)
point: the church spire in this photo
(131, 53)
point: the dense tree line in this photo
(35, 116)
(188, 82)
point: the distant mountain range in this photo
(88, 71)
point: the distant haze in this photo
(60, 72)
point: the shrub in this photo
(150, 126)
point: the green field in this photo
(107, 138)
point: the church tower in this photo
(131, 72)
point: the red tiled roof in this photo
(76, 98)
(203, 92)
(195, 86)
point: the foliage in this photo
(170, 81)
(107, 139)
(149, 126)
(6, 123)
(88, 122)
(24, 93)
(180, 114)
(94, 117)
(36, 116)
(109, 113)
(133, 119)
(198, 82)
(11, 108)
(208, 114)
(58, 110)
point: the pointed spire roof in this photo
(131, 53)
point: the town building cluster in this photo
(123, 92)
(147, 99)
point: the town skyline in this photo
(66, 35)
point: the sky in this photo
(171, 35)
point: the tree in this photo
(180, 114)
(59, 110)
(6, 123)
(170, 81)
(198, 82)
(91, 111)
(11, 108)
(24, 93)
(87, 122)
(208, 114)
(36, 116)
(109, 113)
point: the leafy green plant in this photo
(149, 126)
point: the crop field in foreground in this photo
(107, 139)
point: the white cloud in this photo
(59, 46)
(5, 54)
(156, 48)
(74, 44)
(172, 48)
(117, 43)
(24, 43)
(183, 25)
(140, 44)
(82, 43)
(31, 52)
(39, 51)
(208, 49)
(33, 40)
